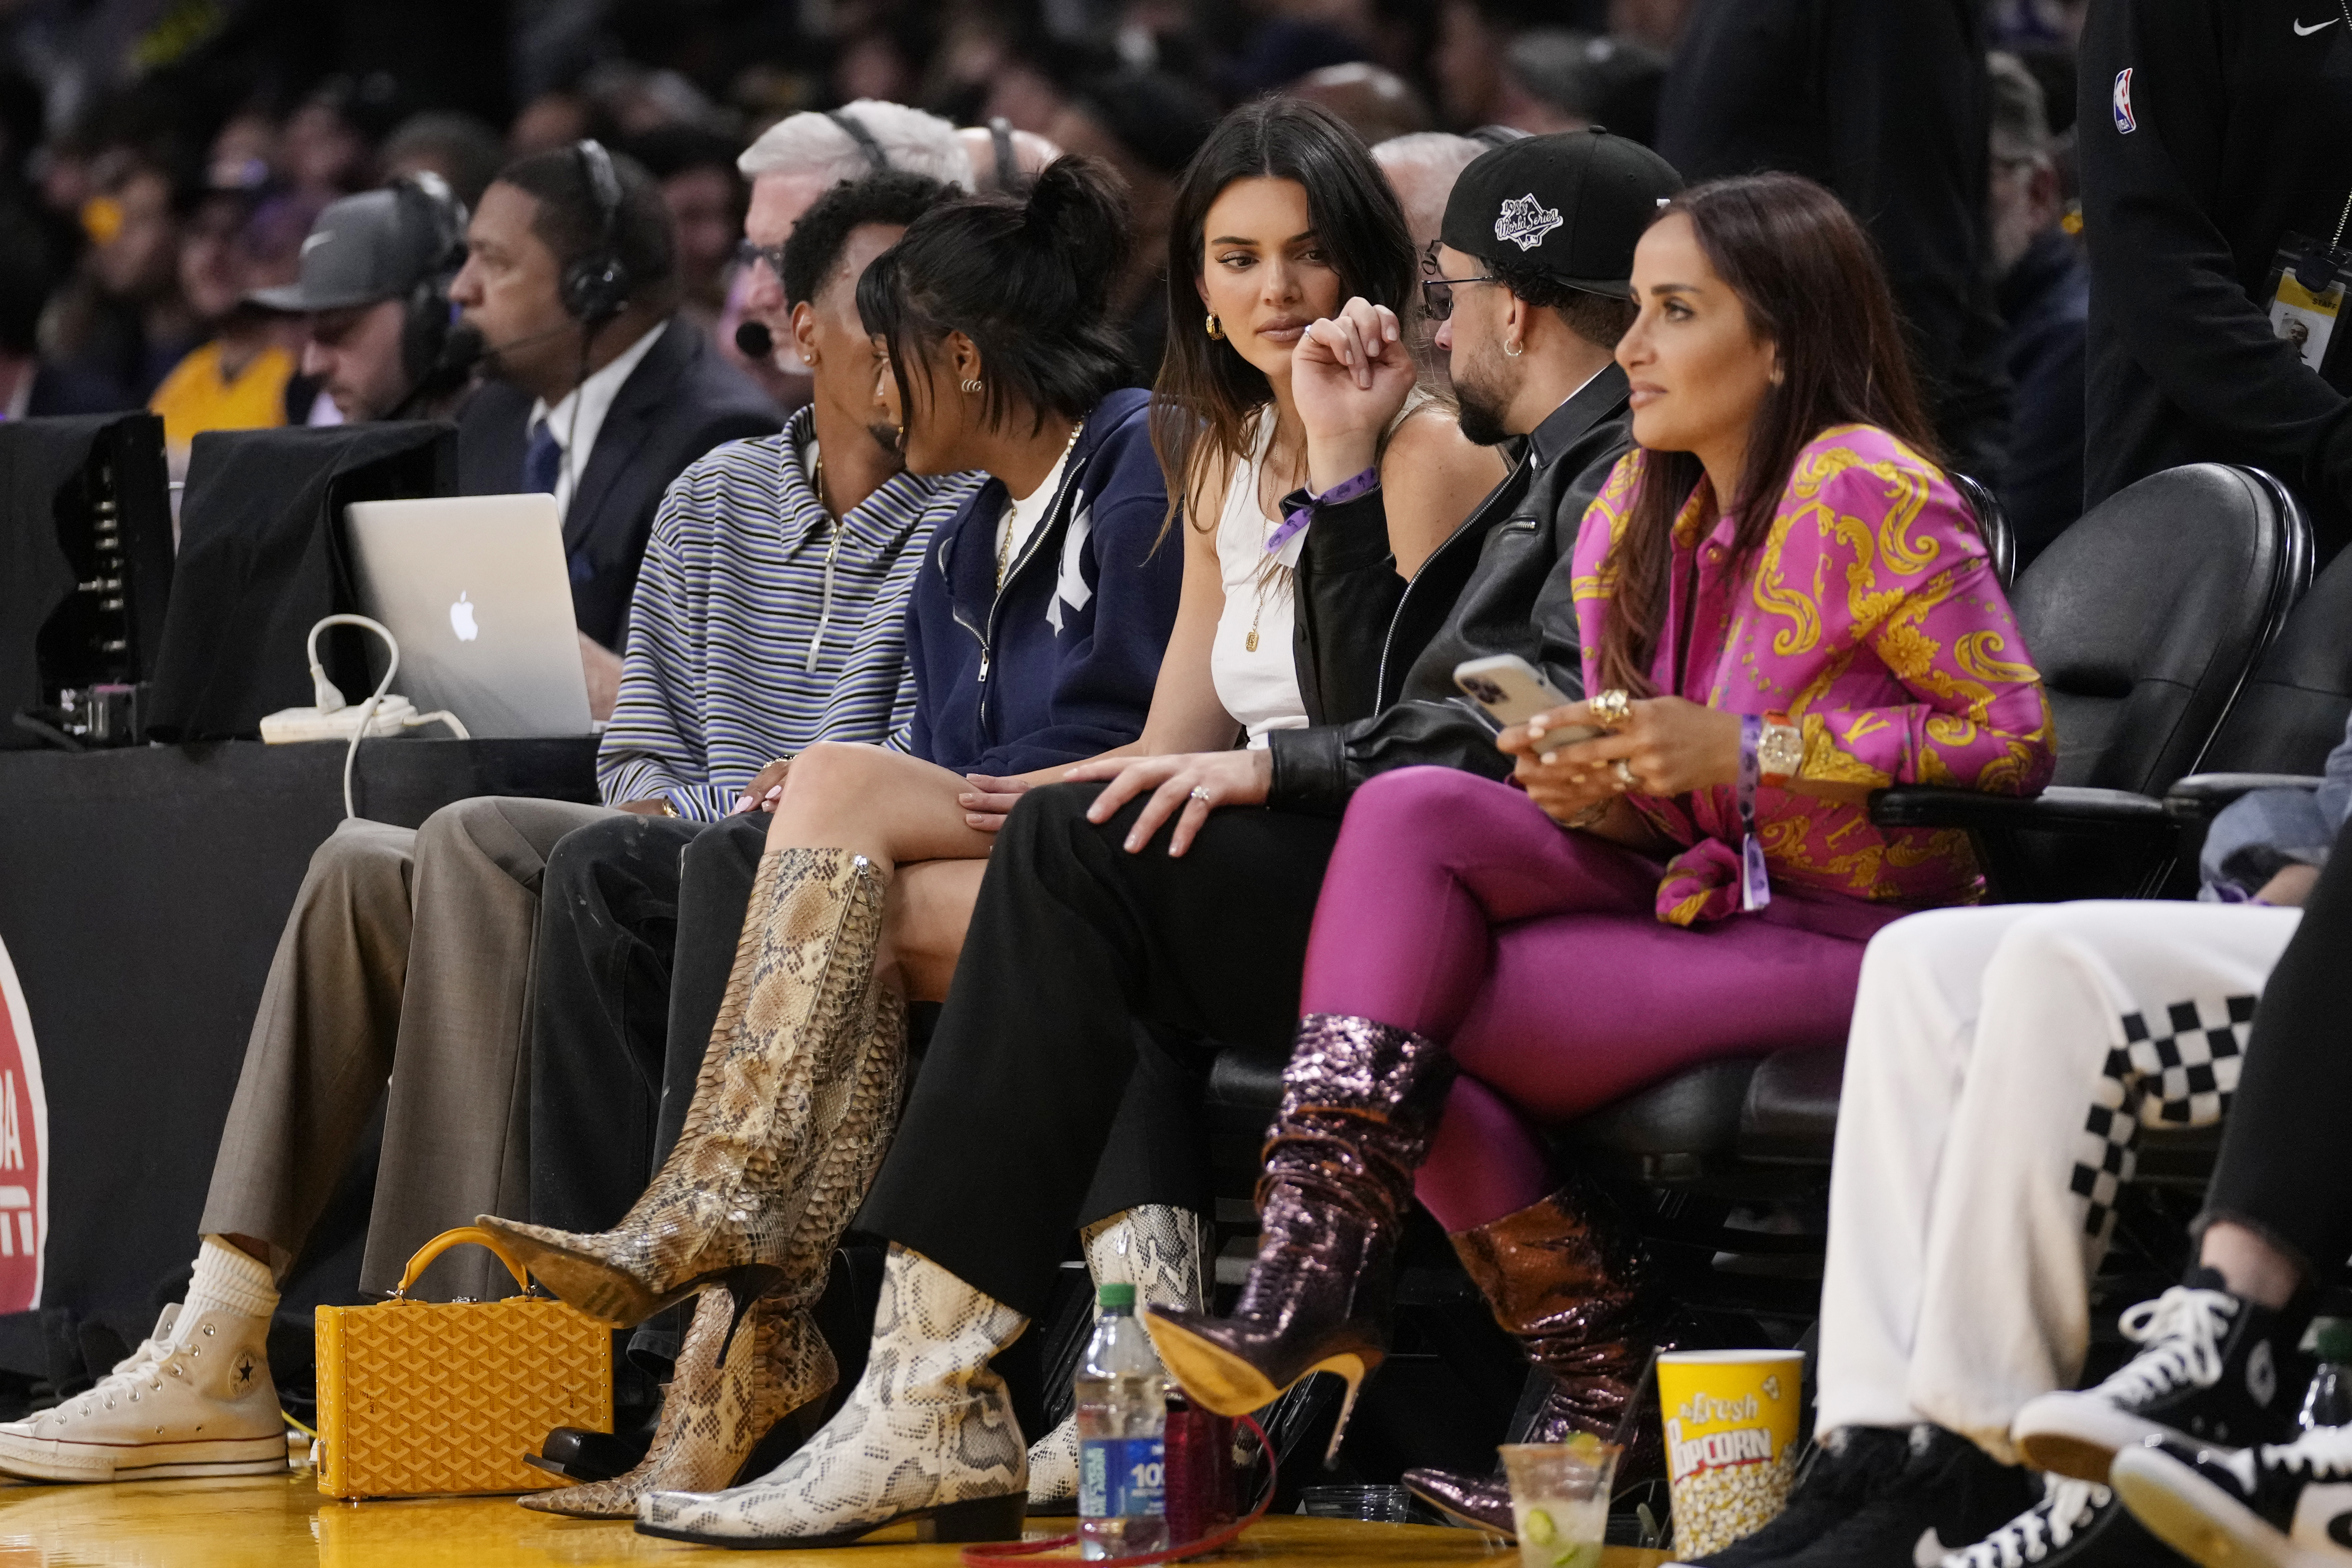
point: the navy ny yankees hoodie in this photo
(1060, 663)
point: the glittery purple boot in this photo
(1359, 1103)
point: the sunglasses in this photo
(1437, 295)
(748, 256)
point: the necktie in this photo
(541, 459)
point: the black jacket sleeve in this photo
(1347, 592)
(1520, 600)
(2168, 283)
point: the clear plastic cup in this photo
(1560, 1499)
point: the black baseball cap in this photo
(1570, 205)
(374, 246)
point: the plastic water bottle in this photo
(1122, 1417)
(2329, 1402)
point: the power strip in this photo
(290, 725)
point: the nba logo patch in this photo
(2125, 123)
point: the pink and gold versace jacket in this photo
(1872, 618)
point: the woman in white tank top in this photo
(1282, 217)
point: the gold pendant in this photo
(1249, 646)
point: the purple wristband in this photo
(1296, 520)
(1755, 883)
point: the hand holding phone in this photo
(1513, 691)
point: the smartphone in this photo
(1513, 691)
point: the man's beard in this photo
(1480, 407)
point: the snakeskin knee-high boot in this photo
(795, 1035)
(1360, 1105)
(1566, 1277)
(927, 1434)
(1166, 1254)
(714, 1416)
(719, 1412)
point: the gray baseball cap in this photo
(377, 245)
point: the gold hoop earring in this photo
(972, 383)
(1215, 328)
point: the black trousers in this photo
(1075, 944)
(637, 929)
(2285, 1168)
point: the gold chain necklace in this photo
(1004, 544)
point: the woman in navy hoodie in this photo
(1036, 632)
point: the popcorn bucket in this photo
(1731, 1438)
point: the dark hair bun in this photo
(1076, 208)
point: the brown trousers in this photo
(407, 962)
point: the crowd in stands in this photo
(1029, 477)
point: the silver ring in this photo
(1624, 773)
(1201, 793)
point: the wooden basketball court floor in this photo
(267, 1522)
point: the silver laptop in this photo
(476, 589)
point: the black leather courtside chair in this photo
(1992, 526)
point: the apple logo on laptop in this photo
(461, 620)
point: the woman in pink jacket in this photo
(1785, 606)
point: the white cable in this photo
(330, 701)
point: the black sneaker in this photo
(1851, 1467)
(2289, 1505)
(2075, 1525)
(2214, 1368)
(1948, 1494)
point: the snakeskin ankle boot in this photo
(1565, 1277)
(1166, 1254)
(1359, 1104)
(715, 1417)
(927, 1434)
(795, 1105)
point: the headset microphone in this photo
(753, 340)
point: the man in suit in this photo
(596, 389)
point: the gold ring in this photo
(1611, 709)
(1624, 773)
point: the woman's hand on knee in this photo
(1186, 786)
(990, 801)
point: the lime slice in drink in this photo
(1539, 1528)
(1584, 1555)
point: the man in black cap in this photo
(1077, 940)
(374, 284)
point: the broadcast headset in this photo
(425, 325)
(596, 285)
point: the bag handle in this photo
(463, 1234)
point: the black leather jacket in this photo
(1369, 644)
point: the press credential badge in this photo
(2303, 315)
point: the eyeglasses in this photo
(748, 256)
(1437, 295)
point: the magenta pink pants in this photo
(1455, 908)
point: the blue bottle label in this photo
(1120, 1477)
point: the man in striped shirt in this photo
(762, 625)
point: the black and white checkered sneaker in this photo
(2212, 1368)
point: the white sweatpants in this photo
(2001, 1064)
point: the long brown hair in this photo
(1207, 393)
(1812, 286)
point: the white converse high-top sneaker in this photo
(194, 1399)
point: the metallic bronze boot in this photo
(715, 1416)
(1359, 1104)
(1567, 1277)
(793, 1109)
